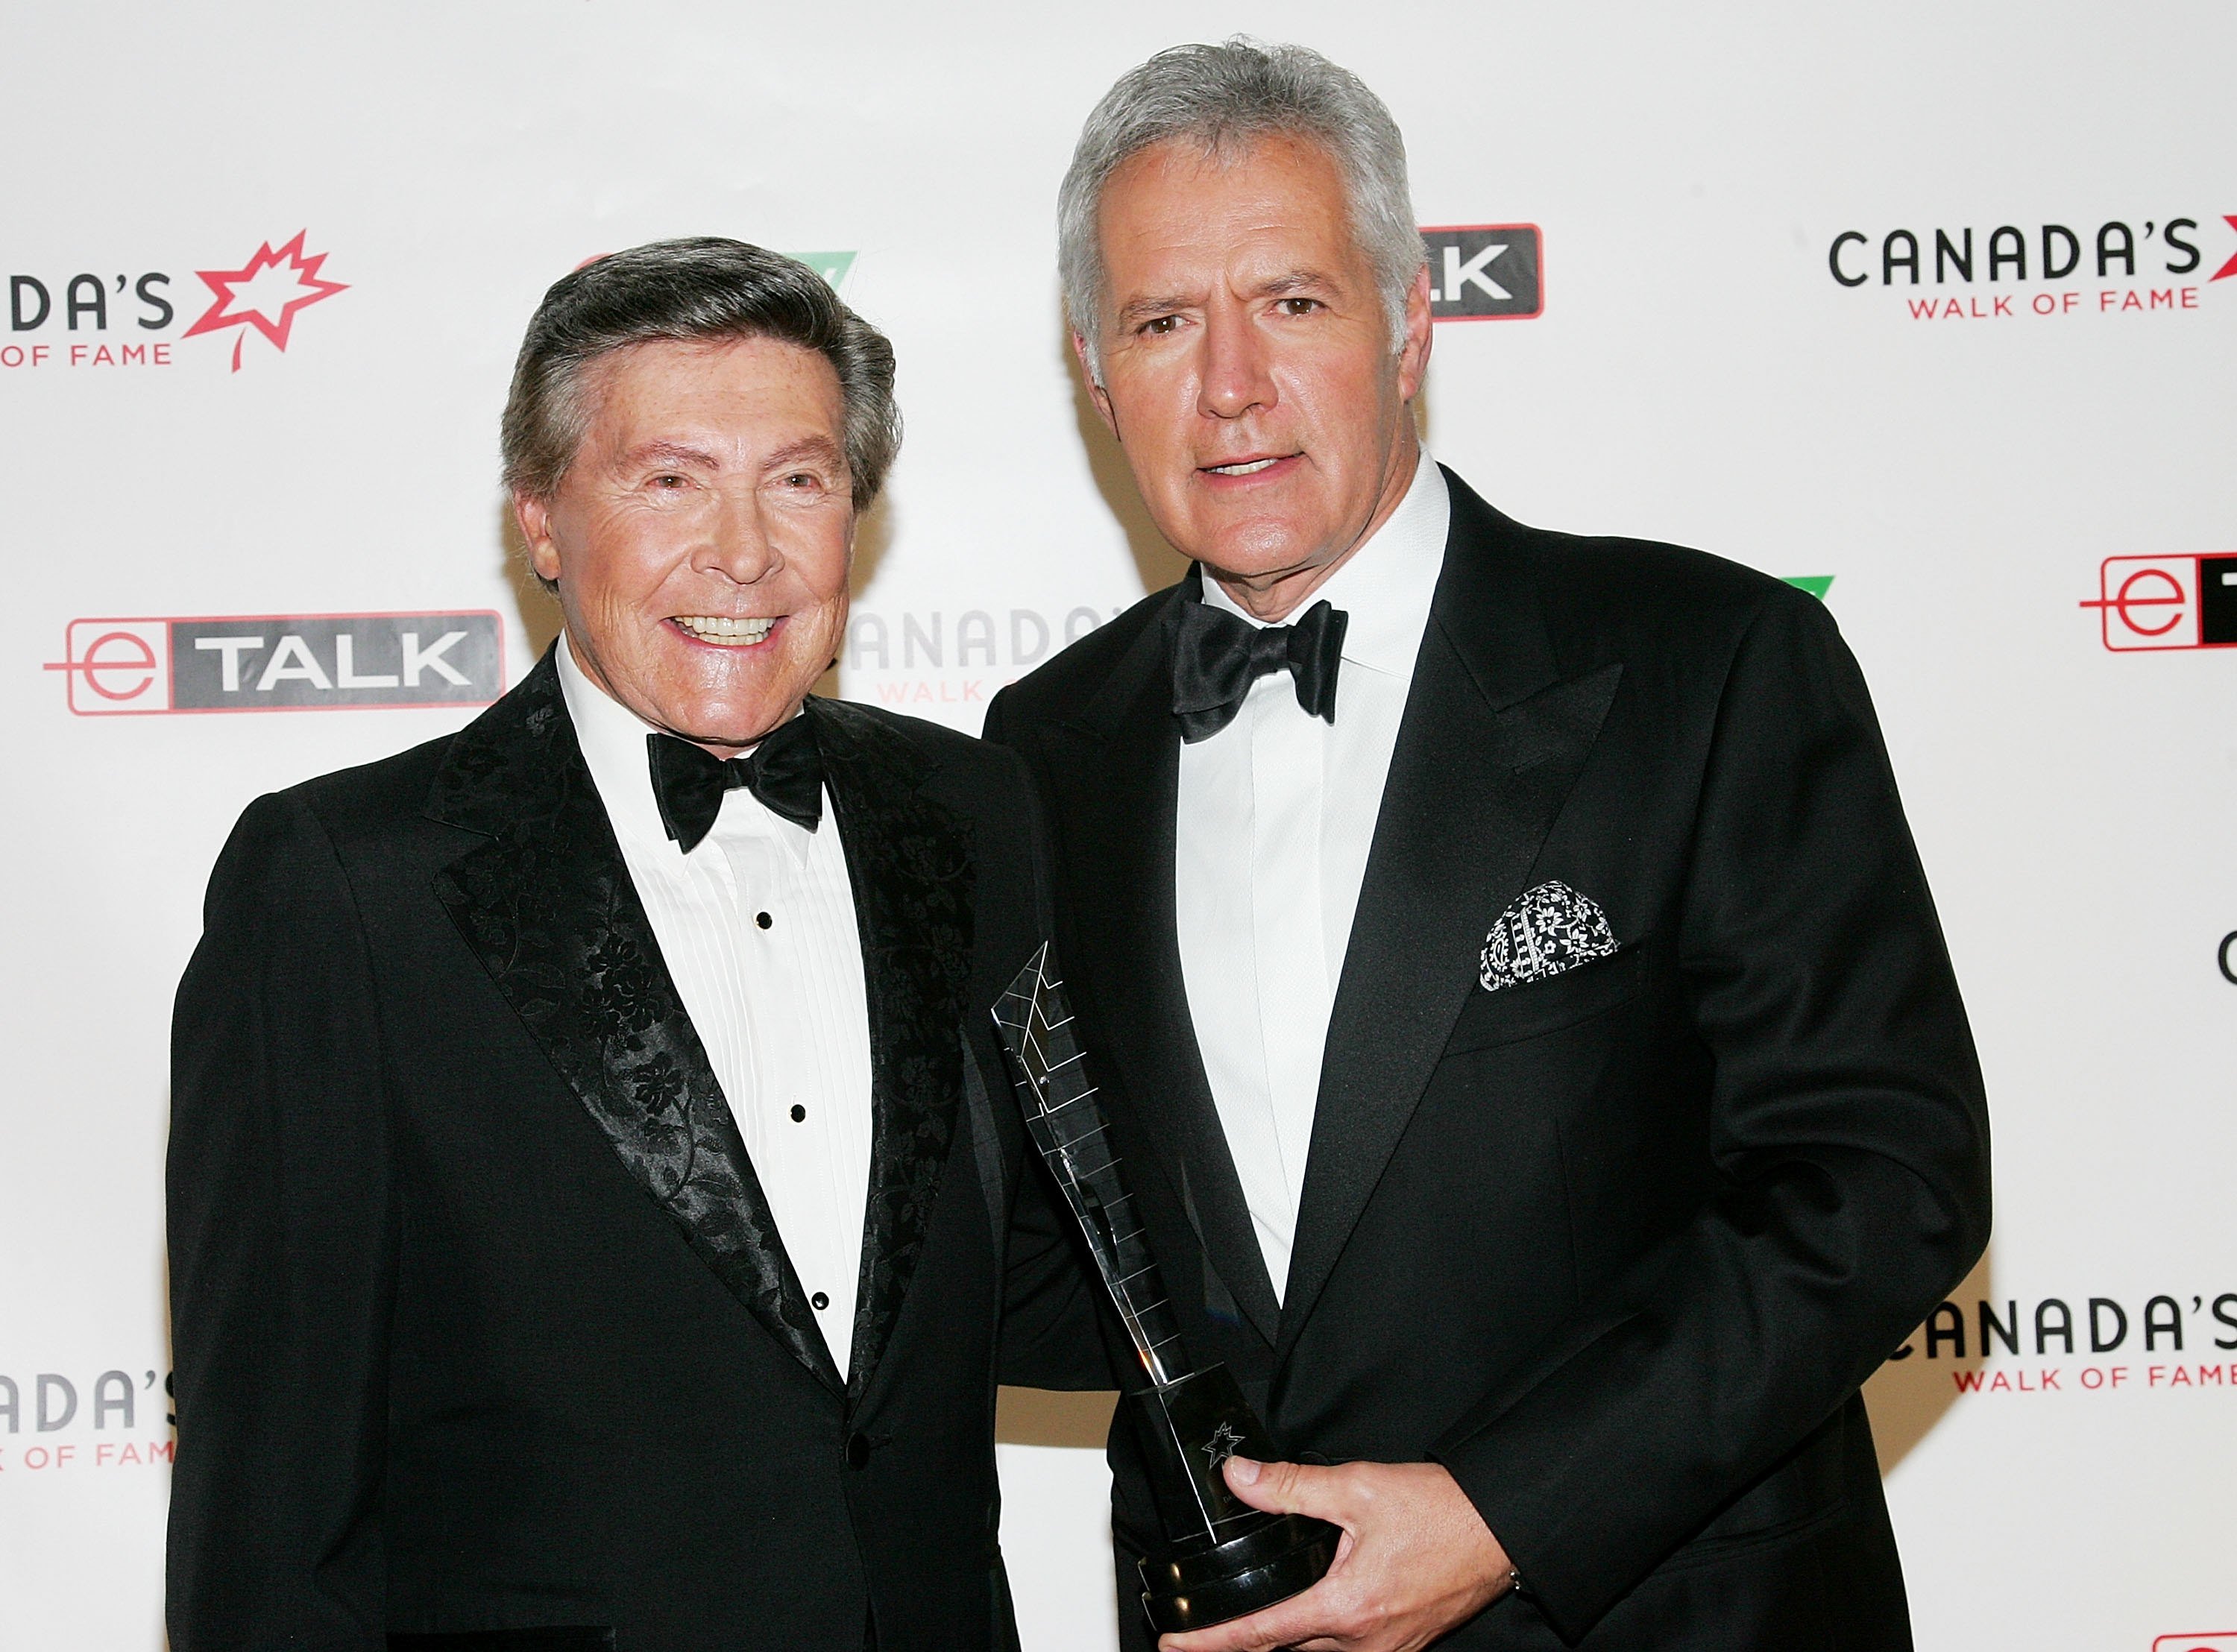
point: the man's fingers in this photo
(1286, 1624)
(1285, 1487)
(1415, 1560)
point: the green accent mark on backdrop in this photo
(832, 266)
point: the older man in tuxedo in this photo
(1502, 953)
(589, 1227)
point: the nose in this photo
(737, 544)
(1234, 378)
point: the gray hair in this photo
(1225, 98)
(704, 287)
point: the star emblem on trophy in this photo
(1222, 1443)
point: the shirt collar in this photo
(1385, 587)
(612, 739)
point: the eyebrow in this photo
(808, 447)
(1274, 287)
(1143, 309)
(685, 457)
(1293, 281)
(668, 453)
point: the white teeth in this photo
(726, 630)
(1251, 469)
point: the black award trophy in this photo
(1223, 1558)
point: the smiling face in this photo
(700, 539)
(1248, 368)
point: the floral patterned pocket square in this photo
(1548, 931)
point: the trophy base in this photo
(1285, 1556)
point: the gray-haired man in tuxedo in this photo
(1504, 955)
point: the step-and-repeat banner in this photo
(1930, 309)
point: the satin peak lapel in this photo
(1491, 744)
(909, 864)
(548, 907)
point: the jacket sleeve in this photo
(1051, 1300)
(282, 1229)
(1848, 1133)
(1050, 1335)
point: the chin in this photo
(729, 721)
(1255, 553)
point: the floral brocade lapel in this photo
(909, 864)
(548, 907)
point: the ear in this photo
(1096, 393)
(534, 516)
(1414, 356)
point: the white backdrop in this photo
(1698, 373)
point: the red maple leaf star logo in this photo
(265, 294)
(2230, 268)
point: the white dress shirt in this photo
(1276, 815)
(756, 926)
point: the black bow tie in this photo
(1217, 655)
(785, 772)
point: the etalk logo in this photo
(311, 662)
(1485, 272)
(2147, 603)
(265, 294)
(2221, 1640)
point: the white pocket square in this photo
(1548, 930)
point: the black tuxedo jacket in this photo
(1617, 1246)
(481, 1321)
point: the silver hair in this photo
(1226, 97)
(699, 288)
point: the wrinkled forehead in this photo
(1269, 207)
(1275, 163)
(737, 388)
